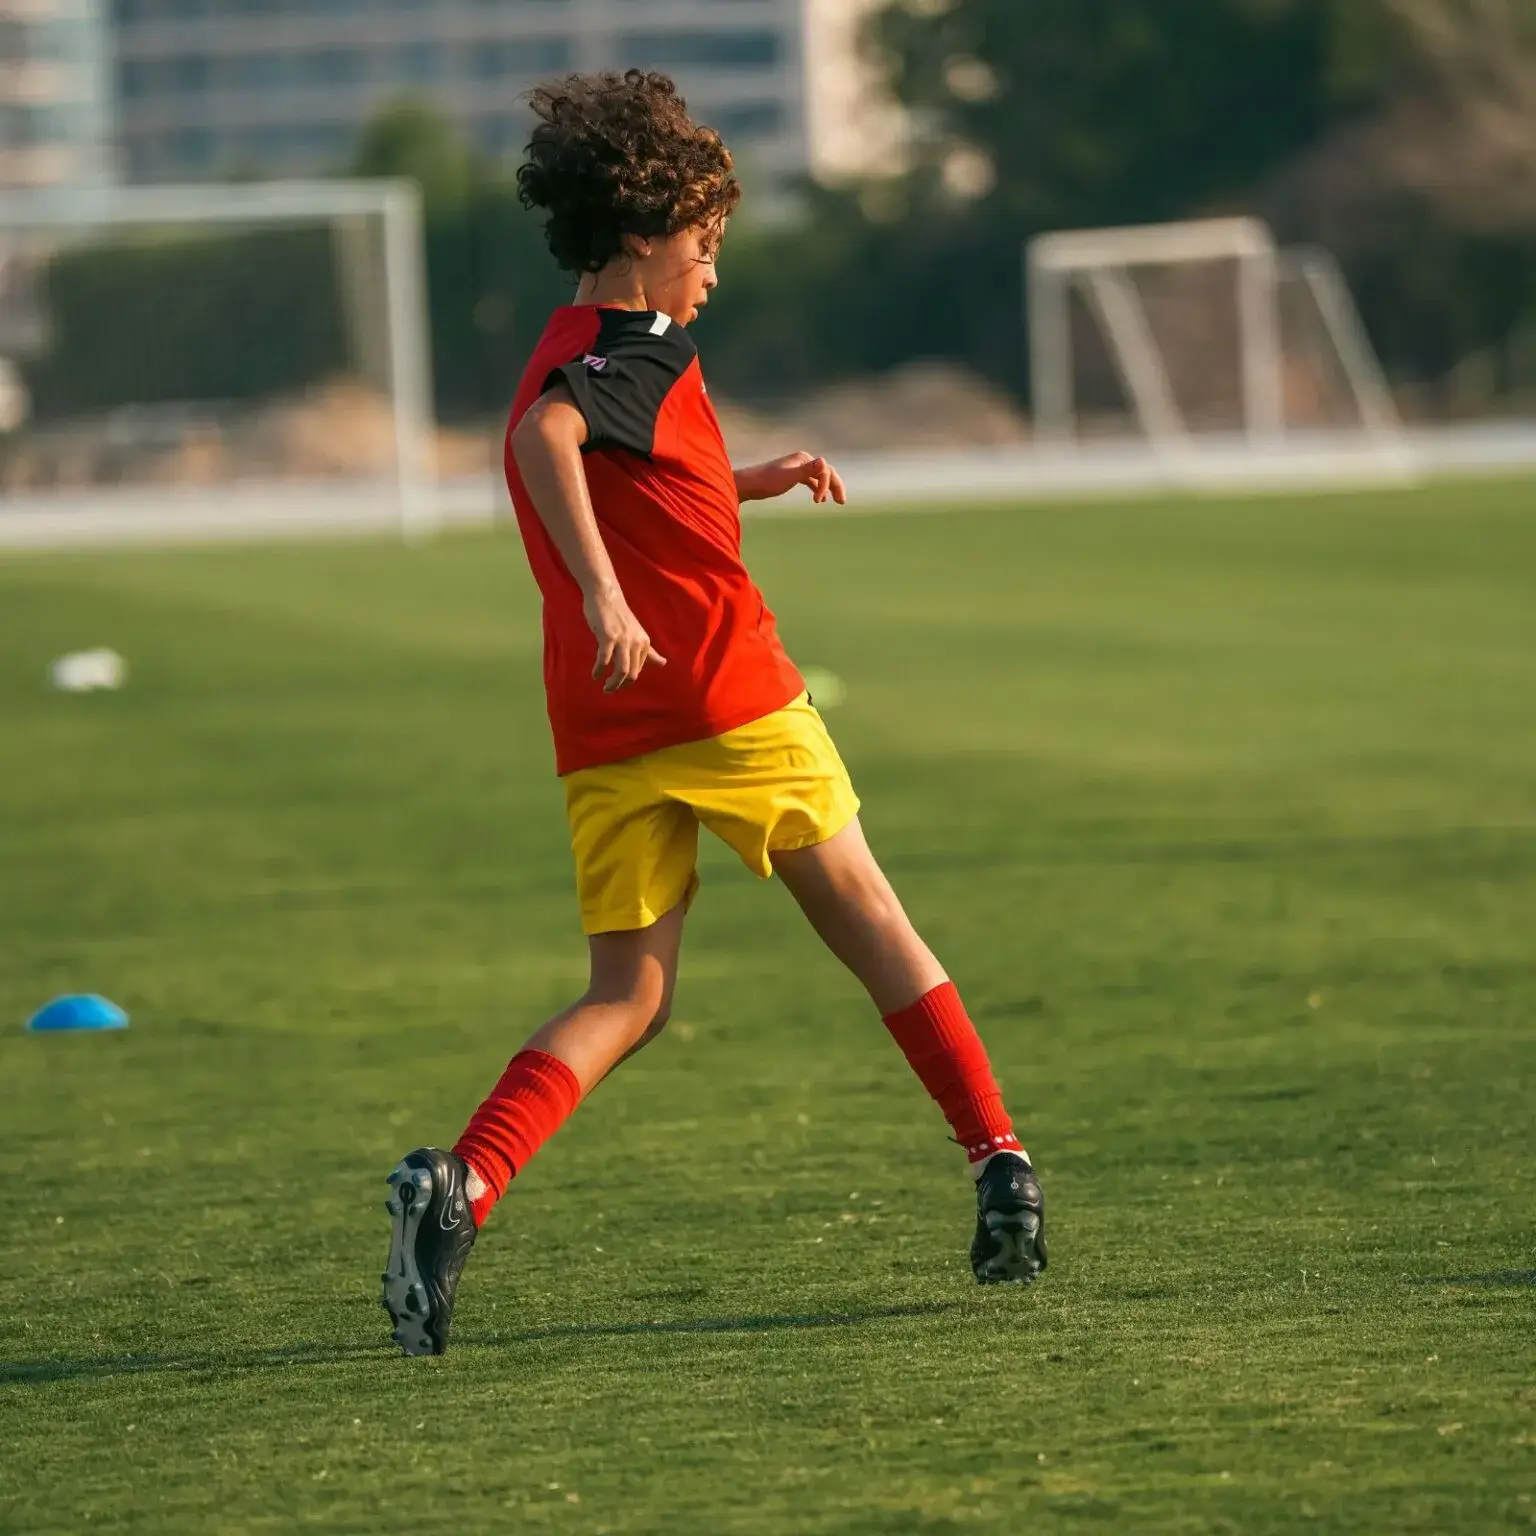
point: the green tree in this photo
(490, 281)
(411, 139)
(1128, 110)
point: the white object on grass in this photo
(88, 671)
(827, 689)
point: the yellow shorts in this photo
(764, 788)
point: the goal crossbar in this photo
(1150, 244)
(215, 203)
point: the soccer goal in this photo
(1202, 337)
(198, 362)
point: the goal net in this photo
(191, 361)
(1201, 336)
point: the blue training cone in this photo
(80, 1011)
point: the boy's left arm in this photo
(761, 482)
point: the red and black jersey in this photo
(665, 499)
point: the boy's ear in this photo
(636, 246)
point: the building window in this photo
(189, 72)
(285, 144)
(752, 120)
(257, 71)
(47, 40)
(35, 123)
(673, 50)
(269, 146)
(421, 63)
(501, 58)
(138, 77)
(336, 66)
(192, 148)
(494, 134)
(322, 142)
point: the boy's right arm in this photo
(547, 445)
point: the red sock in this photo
(943, 1048)
(532, 1101)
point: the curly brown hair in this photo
(615, 155)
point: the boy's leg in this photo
(851, 905)
(626, 1005)
(438, 1199)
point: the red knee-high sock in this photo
(943, 1048)
(534, 1098)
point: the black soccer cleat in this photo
(432, 1230)
(1010, 1223)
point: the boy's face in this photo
(678, 271)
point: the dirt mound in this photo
(919, 405)
(345, 430)
(339, 429)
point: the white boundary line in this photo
(941, 478)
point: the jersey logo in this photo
(595, 364)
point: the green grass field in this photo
(1222, 815)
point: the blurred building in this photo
(55, 93)
(853, 127)
(210, 87)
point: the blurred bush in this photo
(179, 317)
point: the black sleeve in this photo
(619, 386)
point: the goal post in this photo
(1179, 333)
(245, 354)
(1313, 281)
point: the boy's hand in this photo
(760, 482)
(622, 643)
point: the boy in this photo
(671, 700)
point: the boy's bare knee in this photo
(653, 1029)
(871, 902)
(641, 1008)
(638, 1003)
